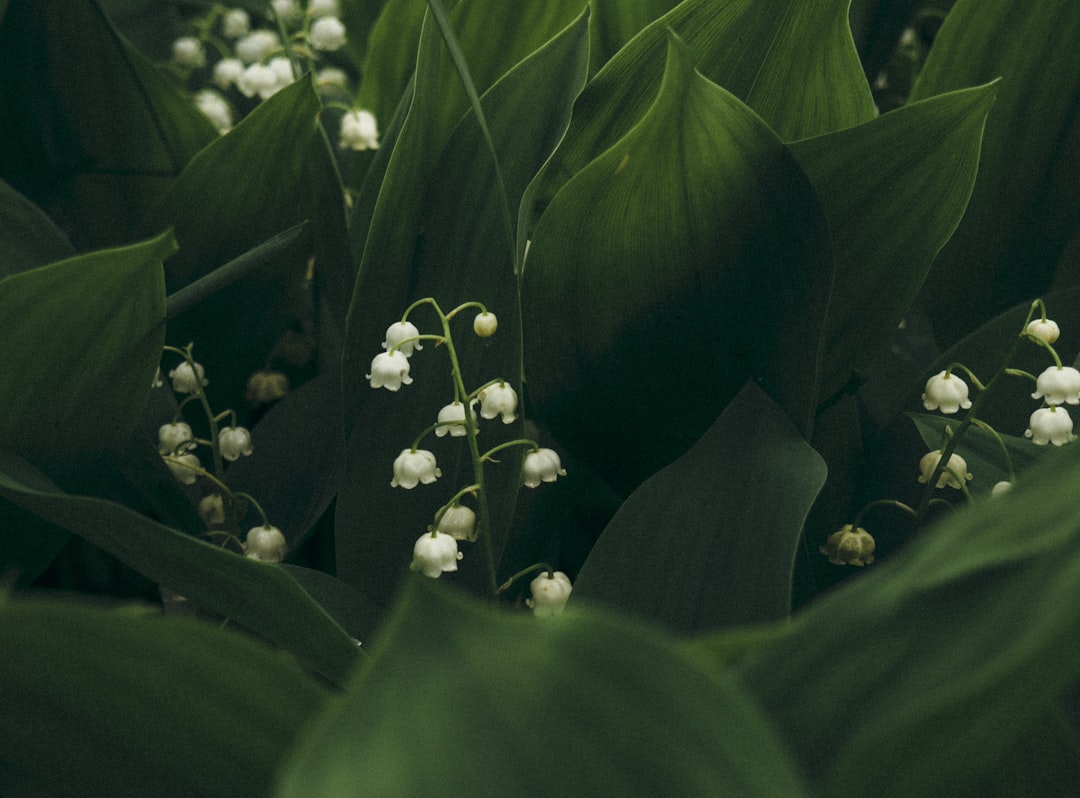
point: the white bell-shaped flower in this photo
(215, 108)
(849, 546)
(542, 465)
(390, 370)
(1046, 331)
(1050, 425)
(212, 509)
(413, 467)
(327, 34)
(451, 420)
(459, 522)
(185, 467)
(946, 392)
(227, 71)
(499, 399)
(234, 442)
(359, 131)
(550, 592)
(434, 554)
(172, 436)
(954, 471)
(186, 380)
(323, 8)
(235, 22)
(257, 45)
(1058, 385)
(265, 543)
(188, 51)
(402, 331)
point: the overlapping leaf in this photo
(704, 262)
(714, 559)
(510, 702)
(28, 238)
(112, 701)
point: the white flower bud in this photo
(188, 51)
(485, 324)
(550, 592)
(265, 543)
(186, 380)
(235, 23)
(1046, 331)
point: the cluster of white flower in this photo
(255, 61)
(436, 551)
(177, 445)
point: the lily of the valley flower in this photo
(947, 392)
(185, 380)
(185, 467)
(849, 546)
(451, 420)
(359, 131)
(954, 471)
(542, 465)
(459, 522)
(172, 436)
(390, 370)
(485, 324)
(265, 543)
(327, 34)
(1046, 331)
(435, 554)
(402, 331)
(499, 399)
(234, 442)
(550, 592)
(212, 509)
(1058, 385)
(235, 22)
(257, 45)
(1050, 425)
(414, 466)
(188, 51)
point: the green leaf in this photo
(28, 238)
(439, 231)
(945, 656)
(890, 217)
(116, 702)
(268, 174)
(502, 703)
(705, 262)
(613, 23)
(1023, 211)
(260, 596)
(792, 62)
(93, 131)
(82, 338)
(714, 558)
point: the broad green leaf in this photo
(704, 262)
(114, 701)
(82, 339)
(463, 699)
(1023, 211)
(945, 656)
(792, 62)
(268, 174)
(28, 238)
(715, 559)
(259, 596)
(93, 132)
(613, 23)
(890, 217)
(439, 231)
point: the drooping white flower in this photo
(283, 70)
(265, 543)
(954, 471)
(389, 370)
(234, 442)
(359, 131)
(947, 392)
(435, 554)
(212, 509)
(257, 45)
(1058, 385)
(1050, 425)
(266, 386)
(550, 592)
(227, 71)
(261, 79)
(459, 522)
(215, 108)
(542, 465)
(188, 51)
(327, 34)
(451, 421)
(286, 9)
(185, 467)
(401, 331)
(1001, 488)
(186, 380)
(849, 547)
(172, 437)
(413, 467)
(1046, 331)
(498, 399)
(485, 324)
(235, 23)
(332, 80)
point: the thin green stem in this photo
(540, 566)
